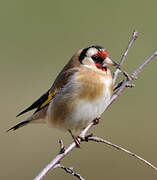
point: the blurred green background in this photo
(36, 39)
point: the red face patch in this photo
(99, 66)
(103, 54)
(99, 57)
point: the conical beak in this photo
(109, 62)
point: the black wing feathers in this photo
(23, 123)
(36, 104)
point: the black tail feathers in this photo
(17, 126)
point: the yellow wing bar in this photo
(48, 99)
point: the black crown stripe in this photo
(84, 51)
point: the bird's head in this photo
(96, 56)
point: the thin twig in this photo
(118, 85)
(71, 147)
(98, 139)
(70, 171)
(62, 147)
(135, 73)
(115, 74)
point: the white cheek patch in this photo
(91, 52)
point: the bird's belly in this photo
(86, 111)
(80, 101)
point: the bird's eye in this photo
(97, 59)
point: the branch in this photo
(135, 73)
(115, 74)
(70, 171)
(98, 139)
(125, 84)
(60, 156)
(133, 76)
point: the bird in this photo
(80, 93)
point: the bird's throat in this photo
(99, 66)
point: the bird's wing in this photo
(41, 102)
(70, 68)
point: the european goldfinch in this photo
(80, 93)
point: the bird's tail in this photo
(21, 124)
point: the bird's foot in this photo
(75, 138)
